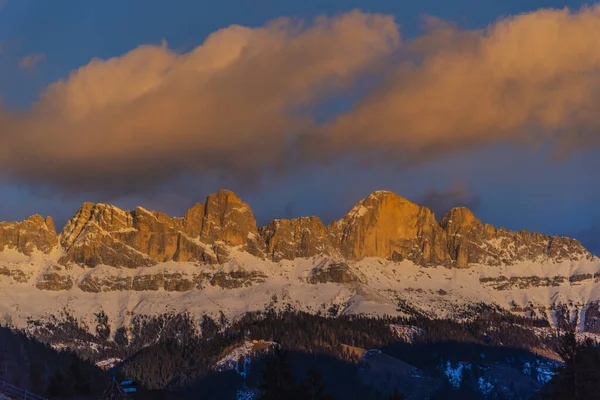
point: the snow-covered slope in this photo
(318, 285)
(385, 256)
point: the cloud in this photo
(231, 104)
(30, 61)
(240, 103)
(440, 202)
(530, 79)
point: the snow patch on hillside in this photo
(246, 349)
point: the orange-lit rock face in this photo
(34, 233)
(104, 234)
(292, 238)
(386, 225)
(382, 225)
(228, 219)
(470, 241)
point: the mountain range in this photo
(387, 255)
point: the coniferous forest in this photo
(314, 357)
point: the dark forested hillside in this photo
(492, 354)
(186, 363)
(35, 366)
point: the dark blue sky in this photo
(506, 184)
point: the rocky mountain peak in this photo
(389, 226)
(382, 225)
(34, 233)
(383, 196)
(96, 235)
(192, 220)
(379, 195)
(227, 218)
(471, 242)
(50, 224)
(460, 218)
(293, 238)
(378, 205)
(224, 196)
(92, 216)
(105, 234)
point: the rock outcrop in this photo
(293, 238)
(522, 282)
(389, 226)
(95, 284)
(104, 234)
(332, 272)
(34, 233)
(470, 241)
(52, 280)
(224, 218)
(16, 274)
(227, 219)
(382, 225)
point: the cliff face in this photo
(382, 225)
(35, 233)
(104, 234)
(302, 237)
(389, 226)
(227, 219)
(470, 241)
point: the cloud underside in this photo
(242, 101)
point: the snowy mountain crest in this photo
(387, 255)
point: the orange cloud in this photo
(238, 103)
(31, 60)
(531, 77)
(131, 121)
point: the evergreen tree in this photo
(209, 327)
(396, 395)
(278, 380)
(102, 326)
(60, 384)
(81, 382)
(313, 387)
(121, 337)
(579, 377)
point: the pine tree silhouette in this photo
(60, 385)
(278, 380)
(579, 377)
(396, 395)
(313, 387)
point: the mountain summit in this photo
(386, 256)
(382, 225)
